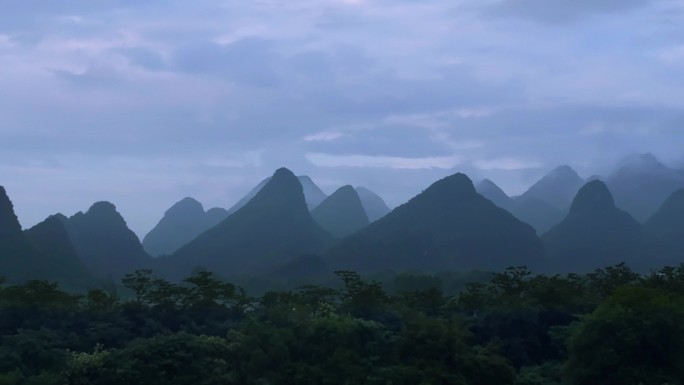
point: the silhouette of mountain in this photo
(104, 243)
(21, 260)
(18, 259)
(184, 221)
(641, 184)
(557, 188)
(341, 213)
(449, 225)
(665, 230)
(373, 204)
(537, 213)
(494, 193)
(312, 194)
(272, 228)
(594, 234)
(51, 239)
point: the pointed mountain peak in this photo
(282, 191)
(186, 206)
(9, 224)
(342, 213)
(593, 196)
(373, 204)
(455, 185)
(486, 184)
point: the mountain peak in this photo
(457, 185)
(557, 188)
(564, 171)
(342, 213)
(185, 207)
(591, 197)
(283, 172)
(641, 162)
(9, 224)
(372, 203)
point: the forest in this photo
(610, 326)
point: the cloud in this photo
(563, 11)
(393, 162)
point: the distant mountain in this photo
(271, 229)
(373, 204)
(104, 242)
(184, 221)
(494, 193)
(531, 210)
(557, 188)
(537, 213)
(21, 260)
(341, 213)
(312, 194)
(448, 226)
(594, 234)
(641, 184)
(665, 230)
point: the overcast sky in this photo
(145, 102)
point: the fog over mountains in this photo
(562, 223)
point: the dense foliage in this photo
(611, 326)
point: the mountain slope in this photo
(594, 234)
(181, 223)
(48, 257)
(372, 203)
(557, 188)
(665, 230)
(273, 227)
(51, 239)
(448, 226)
(494, 193)
(341, 213)
(642, 183)
(104, 243)
(537, 213)
(312, 194)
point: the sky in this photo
(142, 103)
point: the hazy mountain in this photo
(557, 188)
(449, 225)
(595, 233)
(537, 213)
(104, 243)
(341, 213)
(494, 193)
(373, 204)
(184, 221)
(665, 230)
(312, 194)
(641, 184)
(530, 209)
(272, 228)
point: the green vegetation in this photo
(611, 326)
